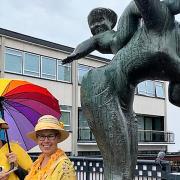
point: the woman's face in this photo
(47, 141)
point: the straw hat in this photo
(3, 124)
(49, 122)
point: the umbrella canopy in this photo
(21, 105)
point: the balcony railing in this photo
(85, 135)
(88, 168)
(155, 136)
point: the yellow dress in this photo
(59, 167)
(23, 159)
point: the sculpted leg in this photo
(109, 125)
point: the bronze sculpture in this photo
(150, 50)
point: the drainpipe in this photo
(2, 50)
(74, 117)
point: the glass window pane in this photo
(65, 118)
(150, 89)
(142, 88)
(64, 72)
(158, 123)
(13, 61)
(82, 120)
(48, 68)
(146, 88)
(140, 120)
(85, 134)
(82, 70)
(32, 64)
(84, 131)
(160, 89)
(148, 123)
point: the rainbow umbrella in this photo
(21, 104)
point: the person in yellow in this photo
(21, 160)
(52, 164)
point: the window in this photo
(159, 89)
(146, 88)
(36, 65)
(64, 72)
(82, 70)
(48, 70)
(85, 133)
(65, 118)
(151, 88)
(142, 88)
(31, 64)
(150, 128)
(13, 61)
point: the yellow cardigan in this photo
(23, 159)
(61, 169)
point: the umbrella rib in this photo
(15, 123)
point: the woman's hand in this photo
(12, 158)
(3, 175)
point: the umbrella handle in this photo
(7, 138)
(9, 148)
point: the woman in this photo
(18, 157)
(52, 163)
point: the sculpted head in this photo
(101, 20)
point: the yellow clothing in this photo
(59, 167)
(23, 159)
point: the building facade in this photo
(39, 61)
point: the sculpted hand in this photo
(70, 58)
(66, 60)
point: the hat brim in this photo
(63, 135)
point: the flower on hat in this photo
(61, 125)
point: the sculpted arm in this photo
(153, 13)
(82, 50)
(128, 24)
